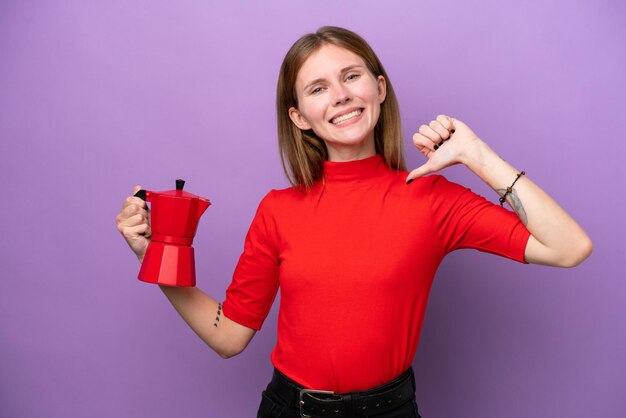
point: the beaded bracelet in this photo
(510, 188)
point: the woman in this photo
(355, 243)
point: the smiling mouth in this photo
(347, 116)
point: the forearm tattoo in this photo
(219, 314)
(513, 199)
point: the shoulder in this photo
(277, 199)
(281, 195)
(440, 192)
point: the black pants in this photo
(273, 405)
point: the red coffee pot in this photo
(174, 217)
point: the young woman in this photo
(355, 243)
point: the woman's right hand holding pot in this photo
(133, 222)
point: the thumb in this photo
(418, 172)
(136, 188)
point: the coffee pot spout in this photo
(203, 204)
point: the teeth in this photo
(345, 117)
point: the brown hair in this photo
(302, 153)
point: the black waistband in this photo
(318, 404)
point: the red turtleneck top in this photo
(355, 258)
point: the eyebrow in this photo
(343, 71)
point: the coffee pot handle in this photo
(141, 194)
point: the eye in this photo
(316, 90)
(353, 76)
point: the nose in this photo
(340, 94)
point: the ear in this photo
(382, 88)
(298, 120)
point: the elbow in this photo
(582, 251)
(232, 339)
(227, 355)
(229, 352)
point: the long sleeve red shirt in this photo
(355, 258)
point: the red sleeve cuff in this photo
(241, 317)
(521, 235)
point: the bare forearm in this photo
(548, 223)
(200, 311)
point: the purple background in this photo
(98, 96)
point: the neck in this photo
(354, 172)
(344, 153)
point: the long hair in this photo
(302, 153)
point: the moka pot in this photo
(174, 217)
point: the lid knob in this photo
(180, 184)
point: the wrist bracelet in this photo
(510, 188)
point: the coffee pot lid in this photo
(177, 193)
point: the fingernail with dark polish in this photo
(409, 182)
